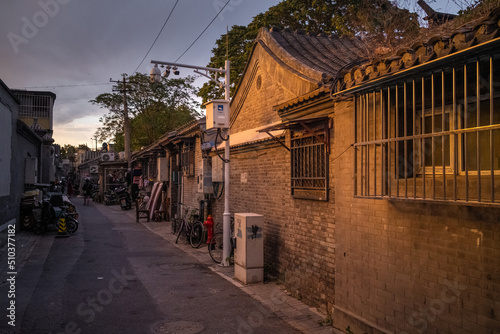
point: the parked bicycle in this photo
(216, 244)
(191, 227)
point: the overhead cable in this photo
(197, 38)
(164, 24)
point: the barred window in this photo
(433, 136)
(187, 158)
(34, 106)
(309, 160)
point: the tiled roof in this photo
(303, 98)
(318, 57)
(471, 34)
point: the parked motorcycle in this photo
(125, 198)
(110, 197)
(52, 210)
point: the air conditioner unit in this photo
(108, 157)
(94, 169)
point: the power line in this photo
(164, 24)
(197, 38)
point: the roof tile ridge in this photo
(296, 41)
(269, 39)
(322, 62)
(319, 44)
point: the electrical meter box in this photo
(249, 251)
(217, 114)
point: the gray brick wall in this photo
(407, 267)
(298, 234)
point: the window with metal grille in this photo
(309, 164)
(187, 158)
(433, 136)
(34, 106)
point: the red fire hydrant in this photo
(209, 225)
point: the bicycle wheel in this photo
(215, 247)
(181, 229)
(196, 235)
(71, 225)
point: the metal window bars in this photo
(35, 106)
(433, 136)
(309, 166)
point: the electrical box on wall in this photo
(175, 177)
(205, 177)
(217, 169)
(163, 170)
(217, 114)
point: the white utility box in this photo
(217, 114)
(249, 251)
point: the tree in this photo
(68, 152)
(154, 109)
(378, 22)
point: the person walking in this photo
(70, 188)
(87, 191)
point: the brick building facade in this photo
(377, 179)
(299, 215)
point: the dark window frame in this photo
(393, 140)
(309, 162)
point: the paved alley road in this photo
(116, 276)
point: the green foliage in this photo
(477, 8)
(378, 22)
(68, 152)
(154, 109)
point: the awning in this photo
(294, 123)
(304, 123)
(251, 136)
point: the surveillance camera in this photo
(155, 75)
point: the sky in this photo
(73, 48)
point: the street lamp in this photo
(155, 76)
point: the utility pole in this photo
(156, 77)
(126, 123)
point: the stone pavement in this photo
(272, 295)
(302, 317)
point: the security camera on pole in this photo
(155, 76)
